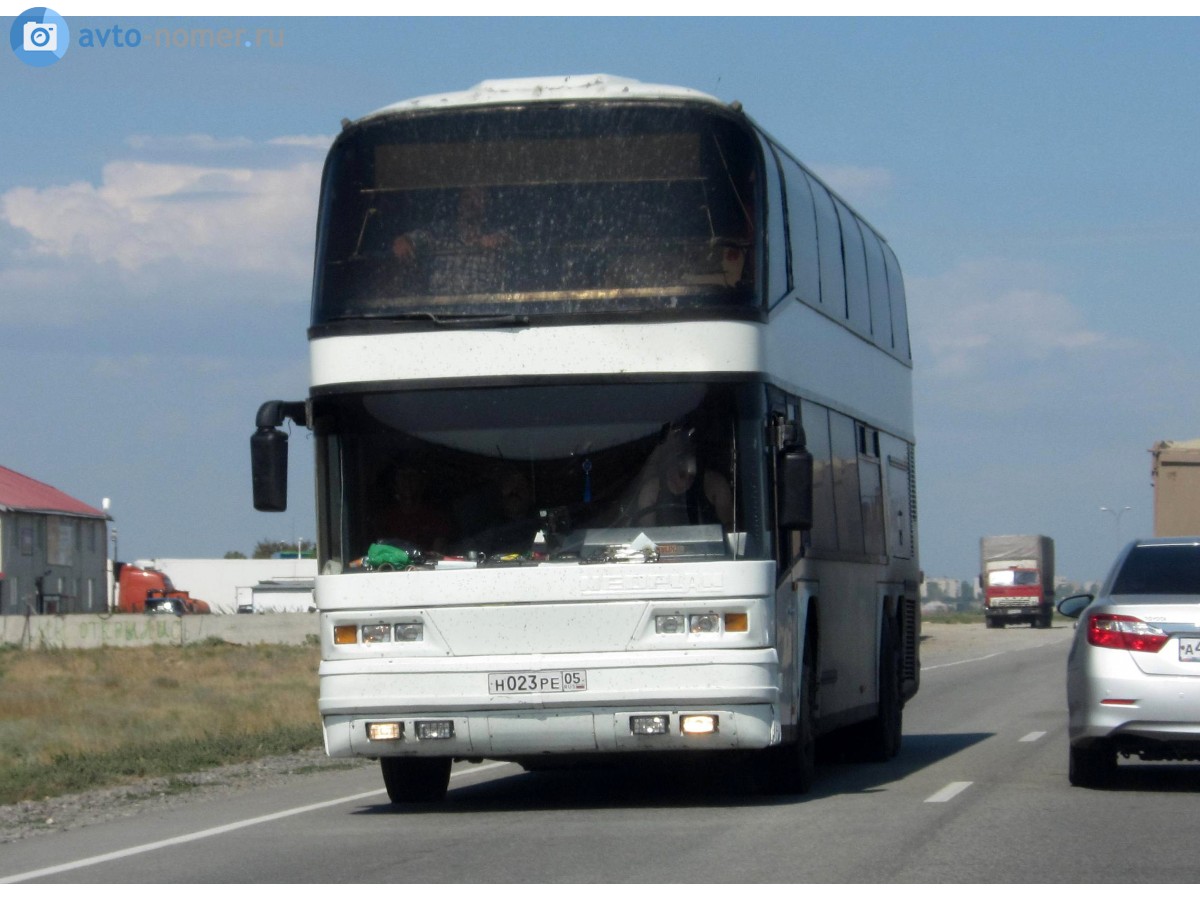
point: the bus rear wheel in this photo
(880, 737)
(415, 779)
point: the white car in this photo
(1133, 674)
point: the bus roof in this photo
(546, 89)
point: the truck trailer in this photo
(1175, 474)
(1017, 577)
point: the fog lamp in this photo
(649, 724)
(698, 724)
(385, 731)
(376, 634)
(435, 731)
(669, 624)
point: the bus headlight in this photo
(376, 634)
(673, 624)
(408, 632)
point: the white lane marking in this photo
(1032, 736)
(963, 662)
(209, 832)
(949, 792)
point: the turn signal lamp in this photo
(739, 621)
(345, 634)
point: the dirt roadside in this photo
(941, 644)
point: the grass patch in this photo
(966, 618)
(953, 618)
(74, 720)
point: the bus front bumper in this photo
(593, 703)
(513, 734)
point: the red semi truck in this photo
(150, 591)
(1017, 577)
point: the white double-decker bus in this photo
(611, 400)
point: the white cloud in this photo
(858, 184)
(141, 213)
(989, 317)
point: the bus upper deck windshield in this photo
(578, 207)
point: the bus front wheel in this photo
(415, 779)
(791, 768)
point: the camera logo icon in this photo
(41, 36)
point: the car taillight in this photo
(1124, 633)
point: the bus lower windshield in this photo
(521, 211)
(579, 473)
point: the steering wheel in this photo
(672, 511)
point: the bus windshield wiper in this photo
(462, 320)
(447, 321)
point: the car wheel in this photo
(1092, 766)
(410, 779)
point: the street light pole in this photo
(1116, 514)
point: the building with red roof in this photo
(52, 549)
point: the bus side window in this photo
(802, 228)
(777, 248)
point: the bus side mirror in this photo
(796, 490)
(269, 454)
(268, 469)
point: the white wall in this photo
(216, 581)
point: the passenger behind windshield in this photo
(675, 489)
(462, 258)
(406, 516)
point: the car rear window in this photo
(1160, 569)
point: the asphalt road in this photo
(978, 794)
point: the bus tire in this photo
(881, 735)
(791, 768)
(415, 779)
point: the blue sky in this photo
(1036, 178)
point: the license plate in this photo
(538, 682)
(1189, 650)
